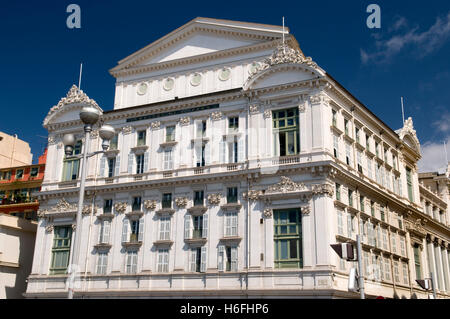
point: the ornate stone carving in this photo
(318, 98)
(215, 116)
(416, 226)
(267, 114)
(326, 189)
(120, 207)
(214, 199)
(75, 96)
(150, 204)
(285, 185)
(41, 212)
(408, 131)
(51, 139)
(185, 120)
(268, 212)
(181, 201)
(254, 108)
(94, 134)
(155, 125)
(61, 207)
(126, 130)
(302, 107)
(285, 54)
(74, 226)
(49, 228)
(306, 210)
(87, 209)
(252, 195)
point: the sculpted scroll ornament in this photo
(326, 189)
(87, 209)
(267, 114)
(94, 134)
(285, 185)
(252, 195)
(120, 207)
(49, 228)
(254, 108)
(268, 212)
(214, 199)
(306, 210)
(155, 125)
(126, 130)
(215, 116)
(185, 120)
(181, 201)
(150, 204)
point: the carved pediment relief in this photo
(285, 185)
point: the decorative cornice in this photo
(62, 207)
(214, 199)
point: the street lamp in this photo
(89, 116)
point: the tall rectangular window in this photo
(201, 129)
(359, 160)
(335, 146)
(409, 184)
(340, 223)
(227, 258)
(361, 203)
(34, 171)
(346, 127)
(382, 216)
(396, 272)
(288, 238)
(137, 203)
(107, 206)
(61, 249)
(198, 198)
(170, 133)
(166, 200)
(102, 260)
(197, 231)
(163, 260)
(200, 155)
(334, 118)
(71, 166)
(348, 154)
(140, 164)
(387, 268)
(417, 261)
(168, 162)
(350, 198)
(338, 191)
(372, 208)
(405, 273)
(394, 242)
(233, 152)
(231, 224)
(104, 232)
(357, 135)
(141, 138)
(111, 166)
(286, 132)
(368, 142)
(376, 149)
(164, 228)
(232, 195)
(131, 262)
(195, 259)
(233, 124)
(113, 144)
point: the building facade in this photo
(14, 151)
(237, 162)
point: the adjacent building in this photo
(237, 162)
(14, 151)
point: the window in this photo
(6, 175)
(34, 171)
(137, 202)
(369, 168)
(61, 249)
(198, 198)
(346, 127)
(140, 164)
(111, 166)
(170, 133)
(382, 216)
(141, 137)
(164, 228)
(286, 132)
(417, 261)
(113, 144)
(387, 268)
(357, 135)
(340, 223)
(233, 124)
(376, 149)
(366, 263)
(400, 222)
(402, 246)
(348, 154)
(200, 155)
(350, 197)
(19, 173)
(396, 272)
(131, 264)
(384, 237)
(71, 166)
(168, 163)
(368, 142)
(349, 225)
(233, 152)
(359, 160)
(372, 208)
(201, 129)
(197, 259)
(409, 184)
(361, 203)
(166, 200)
(232, 195)
(336, 146)
(231, 224)
(334, 118)
(102, 260)
(107, 206)
(394, 161)
(405, 273)
(287, 238)
(104, 232)
(163, 260)
(394, 242)
(338, 191)
(137, 230)
(227, 258)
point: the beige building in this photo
(14, 151)
(17, 236)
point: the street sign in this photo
(344, 250)
(425, 283)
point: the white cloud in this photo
(433, 156)
(443, 124)
(425, 42)
(400, 23)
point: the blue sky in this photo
(408, 56)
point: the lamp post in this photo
(89, 116)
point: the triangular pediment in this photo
(198, 37)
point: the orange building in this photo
(17, 184)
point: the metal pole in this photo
(433, 285)
(76, 238)
(361, 279)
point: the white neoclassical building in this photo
(237, 162)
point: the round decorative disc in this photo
(196, 79)
(224, 74)
(142, 89)
(168, 84)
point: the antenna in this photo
(403, 112)
(79, 78)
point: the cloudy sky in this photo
(408, 56)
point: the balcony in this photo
(139, 149)
(168, 143)
(105, 216)
(197, 210)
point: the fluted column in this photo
(430, 256)
(446, 268)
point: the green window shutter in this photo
(192, 259)
(234, 259)
(205, 226)
(187, 226)
(125, 230)
(220, 257)
(141, 229)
